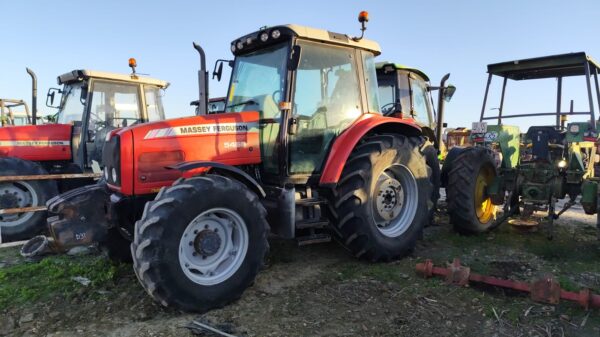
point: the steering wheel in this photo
(388, 108)
(274, 94)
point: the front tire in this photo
(381, 201)
(19, 194)
(200, 243)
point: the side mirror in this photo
(217, 73)
(295, 57)
(50, 97)
(449, 92)
(218, 69)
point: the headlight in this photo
(264, 37)
(106, 173)
(574, 128)
(239, 45)
(249, 40)
(114, 174)
(562, 163)
(275, 34)
(233, 48)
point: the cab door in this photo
(326, 101)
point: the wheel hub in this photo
(8, 200)
(207, 243)
(390, 198)
(395, 200)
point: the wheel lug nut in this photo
(195, 231)
(203, 257)
(191, 243)
(205, 226)
(194, 253)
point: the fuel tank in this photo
(146, 151)
(47, 142)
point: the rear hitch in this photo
(545, 289)
(79, 220)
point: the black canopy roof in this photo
(545, 67)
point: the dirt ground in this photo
(322, 291)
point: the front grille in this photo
(111, 156)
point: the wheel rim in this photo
(213, 246)
(484, 208)
(395, 202)
(16, 195)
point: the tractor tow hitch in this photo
(79, 220)
(544, 290)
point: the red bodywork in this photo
(228, 138)
(50, 142)
(346, 142)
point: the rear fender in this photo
(219, 168)
(347, 141)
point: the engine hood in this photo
(47, 142)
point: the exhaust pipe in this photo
(33, 96)
(441, 107)
(202, 82)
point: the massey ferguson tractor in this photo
(302, 151)
(39, 161)
(522, 174)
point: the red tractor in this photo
(302, 151)
(36, 159)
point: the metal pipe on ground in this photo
(545, 289)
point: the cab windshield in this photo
(258, 81)
(71, 108)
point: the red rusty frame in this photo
(545, 289)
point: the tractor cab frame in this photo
(96, 103)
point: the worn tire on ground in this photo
(14, 194)
(159, 242)
(462, 192)
(431, 158)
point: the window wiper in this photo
(250, 101)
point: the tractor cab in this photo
(405, 92)
(95, 103)
(308, 85)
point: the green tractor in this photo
(506, 173)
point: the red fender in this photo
(346, 142)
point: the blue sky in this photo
(460, 37)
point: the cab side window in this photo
(421, 102)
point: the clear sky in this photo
(459, 36)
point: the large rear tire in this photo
(381, 201)
(470, 209)
(200, 243)
(19, 194)
(431, 158)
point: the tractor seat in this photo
(543, 138)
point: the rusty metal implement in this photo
(544, 290)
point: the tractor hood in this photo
(49, 142)
(141, 154)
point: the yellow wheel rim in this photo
(483, 204)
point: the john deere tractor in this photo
(521, 174)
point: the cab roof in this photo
(82, 74)
(303, 32)
(382, 65)
(561, 65)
